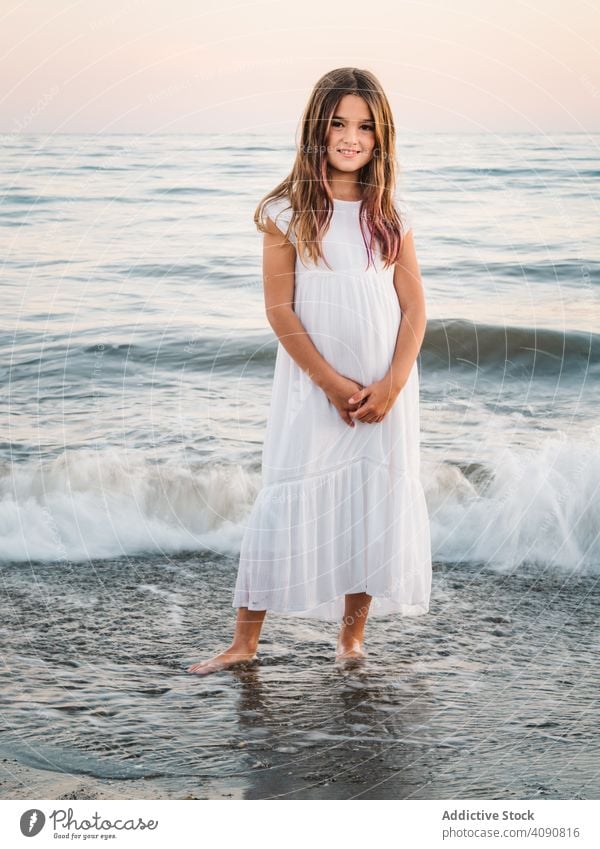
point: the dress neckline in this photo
(339, 200)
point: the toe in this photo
(197, 666)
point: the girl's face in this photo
(351, 137)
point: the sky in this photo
(192, 66)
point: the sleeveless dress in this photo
(341, 509)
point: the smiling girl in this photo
(339, 529)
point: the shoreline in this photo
(18, 781)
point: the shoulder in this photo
(404, 210)
(279, 210)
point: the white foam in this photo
(540, 506)
(99, 504)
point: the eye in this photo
(335, 122)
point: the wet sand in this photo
(490, 695)
(18, 781)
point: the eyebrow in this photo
(362, 121)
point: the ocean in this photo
(136, 373)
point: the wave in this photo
(529, 506)
(539, 351)
(568, 272)
(523, 507)
(48, 366)
(520, 352)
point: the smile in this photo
(348, 153)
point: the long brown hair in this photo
(307, 188)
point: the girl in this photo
(340, 526)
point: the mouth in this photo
(348, 152)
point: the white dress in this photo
(341, 509)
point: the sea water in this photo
(136, 374)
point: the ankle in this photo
(244, 645)
(348, 633)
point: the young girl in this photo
(340, 526)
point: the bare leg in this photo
(243, 646)
(352, 631)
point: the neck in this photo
(345, 186)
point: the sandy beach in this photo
(23, 782)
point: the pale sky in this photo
(197, 66)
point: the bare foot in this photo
(230, 657)
(348, 648)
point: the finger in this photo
(358, 396)
(347, 418)
(362, 412)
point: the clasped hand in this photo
(369, 404)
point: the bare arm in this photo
(409, 288)
(279, 261)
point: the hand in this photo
(338, 393)
(376, 400)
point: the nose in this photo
(349, 136)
